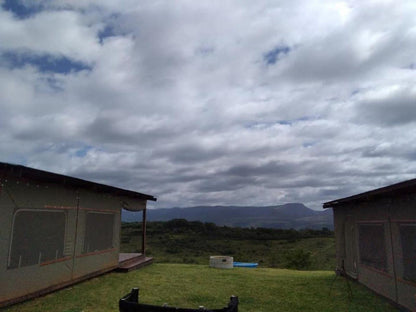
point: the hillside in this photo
(293, 215)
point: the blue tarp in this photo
(245, 265)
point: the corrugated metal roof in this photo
(23, 172)
(394, 189)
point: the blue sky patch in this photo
(53, 83)
(20, 10)
(264, 125)
(293, 121)
(44, 63)
(108, 31)
(308, 144)
(83, 151)
(204, 51)
(272, 56)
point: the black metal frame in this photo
(130, 303)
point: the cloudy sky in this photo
(212, 102)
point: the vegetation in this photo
(181, 241)
(298, 259)
(259, 290)
(189, 285)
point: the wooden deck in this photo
(132, 261)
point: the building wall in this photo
(353, 223)
(403, 213)
(82, 250)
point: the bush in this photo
(189, 260)
(298, 259)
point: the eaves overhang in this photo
(405, 187)
(22, 172)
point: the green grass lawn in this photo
(263, 289)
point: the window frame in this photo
(400, 226)
(85, 251)
(379, 264)
(12, 237)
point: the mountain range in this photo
(292, 215)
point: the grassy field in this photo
(187, 243)
(185, 285)
(270, 253)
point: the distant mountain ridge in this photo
(292, 215)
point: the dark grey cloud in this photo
(223, 184)
(396, 109)
(191, 153)
(270, 168)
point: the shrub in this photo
(298, 259)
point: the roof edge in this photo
(7, 169)
(398, 188)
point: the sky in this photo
(212, 102)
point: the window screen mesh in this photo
(38, 236)
(408, 240)
(372, 245)
(99, 232)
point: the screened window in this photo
(408, 241)
(38, 236)
(99, 232)
(372, 246)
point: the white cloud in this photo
(179, 101)
(60, 33)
